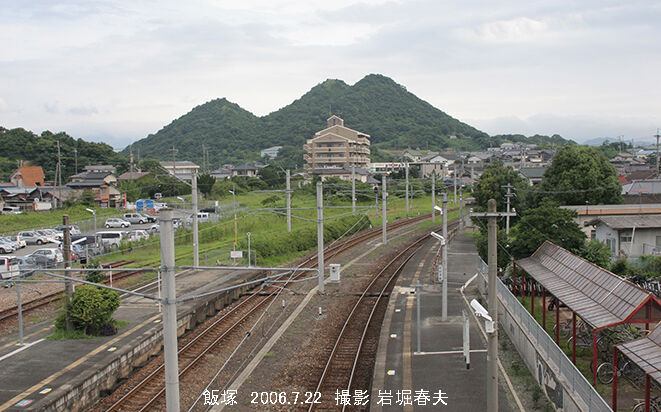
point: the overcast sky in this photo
(118, 70)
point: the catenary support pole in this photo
(68, 285)
(418, 288)
(353, 189)
(196, 238)
(407, 188)
(461, 207)
(169, 312)
(492, 348)
(384, 220)
(507, 218)
(288, 176)
(444, 260)
(466, 339)
(320, 234)
(455, 183)
(433, 197)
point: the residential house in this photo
(642, 191)
(629, 236)
(183, 170)
(101, 180)
(336, 147)
(414, 156)
(244, 170)
(271, 152)
(23, 197)
(587, 213)
(28, 176)
(222, 173)
(533, 175)
(437, 163)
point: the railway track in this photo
(340, 371)
(54, 297)
(150, 391)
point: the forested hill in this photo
(376, 105)
(41, 150)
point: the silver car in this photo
(117, 222)
(31, 237)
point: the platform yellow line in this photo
(56, 375)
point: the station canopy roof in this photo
(599, 297)
(646, 353)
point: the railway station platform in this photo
(436, 377)
(48, 374)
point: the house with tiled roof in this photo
(101, 180)
(28, 176)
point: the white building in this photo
(183, 170)
(629, 236)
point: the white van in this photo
(11, 210)
(111, 238)
(8, 267)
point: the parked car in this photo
(31, 237)
(53, 255)
(11, 210)
(14, 244)
(6, 247)
(134, 218)
(8, 267)
(50, 236)
(21, 243)
(112, 239)
(150, 218)
(26, 265)
(116, 222)
(138, 235)
(155, 228)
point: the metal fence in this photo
(548, 349)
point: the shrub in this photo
(95, 276)
(91, 308)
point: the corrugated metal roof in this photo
(599, 297)
(646, 353)
(631, 221)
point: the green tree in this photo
(597, 252)
(205, 183)
(492, 186)
(95, 276)
(88, 198)
(273, 176)
(580, 174)
(546, 222)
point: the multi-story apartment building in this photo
(334, 150)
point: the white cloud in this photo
(518, 30)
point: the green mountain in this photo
(376, 105)
(41, 150)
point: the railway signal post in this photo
(169, 312)
(384, 220)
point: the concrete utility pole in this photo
(320, 234)
(433, 197)
(288, 176)
(507, 219)
(66, 250)
(384, 220)
(455, 182)
(169, 312)
(407, 189)
(353, 189)
(492, 339)
(657, 150)
(196, 238)
(492, 300)
(461, 208)
(444, 258)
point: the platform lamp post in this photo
(248, 233)
(92, 211)
(182, 200)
